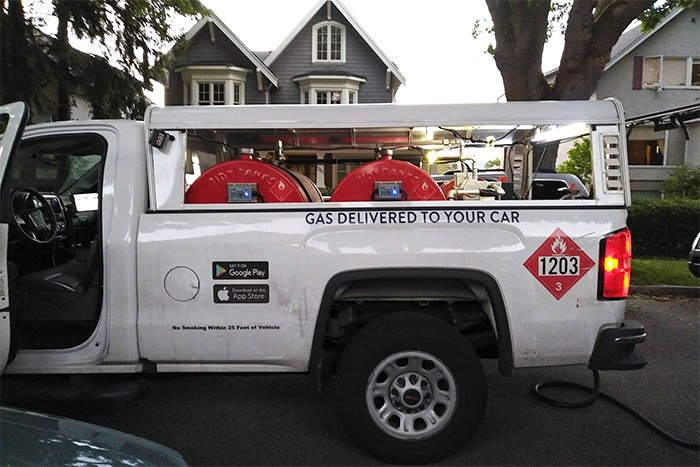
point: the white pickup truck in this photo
(193, 242)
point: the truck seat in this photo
(66, 293)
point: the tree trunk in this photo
(63, 72)
(593, 28)
(12, 54)
(521, 30)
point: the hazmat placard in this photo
(559, 263)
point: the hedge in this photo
(663, 228)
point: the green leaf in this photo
(579, 161)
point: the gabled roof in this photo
(391, 66)
(631, 39)
(212, 18)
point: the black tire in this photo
(408, 350)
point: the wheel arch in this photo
(341, 280)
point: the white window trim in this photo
(314, 42)
(328, 92)
(210, 85)
(660, 86)
(314, 85)
(229, 75)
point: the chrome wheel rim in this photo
(411, 395)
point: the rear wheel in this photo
(411, 389)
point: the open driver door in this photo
(13, 117)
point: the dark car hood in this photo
(30, 438)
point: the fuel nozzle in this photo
(280, 158)
(246, 154)
(384, 154)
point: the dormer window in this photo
(211, 93)
(329, 42)
(329, 89)
(213, 85)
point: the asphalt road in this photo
(217, 419)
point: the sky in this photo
(430, 41)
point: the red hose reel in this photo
(362, 183)
(268, 183)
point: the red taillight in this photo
(615, 266)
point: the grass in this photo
(662, 272)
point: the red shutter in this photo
(637, 70)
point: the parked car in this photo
(558, 186)
(694, 257)
(31, 438)
(545, 185)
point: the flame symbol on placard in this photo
(424, 186)
(281, 185)
(558, 246)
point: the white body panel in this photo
(303, 257)
(159, 286)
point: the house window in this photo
(321, 44)
(670, 72)
(336, 43)
(217, 93)
(329, 97)
(645, 152)
(329, 89)
(203, 96)
(329, 42)
(326, 96)
(236, 94)
(213, 85)
(212, 93)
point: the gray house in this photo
(656, 76)
(326, 59)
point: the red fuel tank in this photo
(273, 184)
(359, 185)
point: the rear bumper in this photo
(614, 348)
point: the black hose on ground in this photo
(595, 393)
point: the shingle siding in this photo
(679, 38)
(202, 51)
(173, 93)
(360, 60)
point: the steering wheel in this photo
(32, 215)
